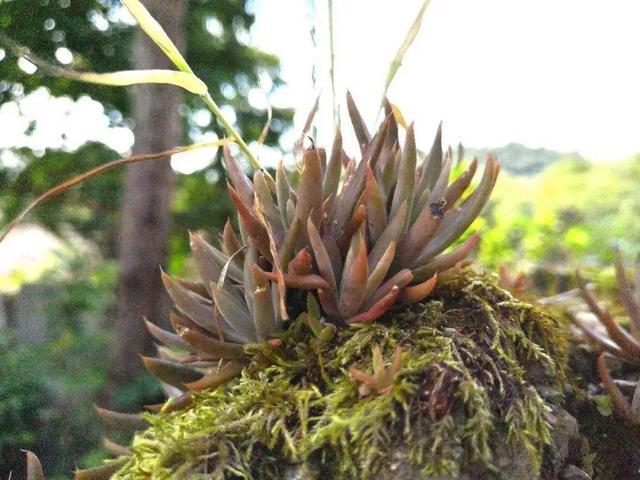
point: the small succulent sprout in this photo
(630, 411)
(517, 283)
(381, 381)
(102, 472)
(122, 422)
(312, 317)
(232, 305)
(373, 233)
(617, 342)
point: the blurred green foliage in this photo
(47, 389)
(570, 215)
(99, 39)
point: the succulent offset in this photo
(232, 305)
(382, 378)
(620, 343)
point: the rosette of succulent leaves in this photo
(360, 236)
(618, 342)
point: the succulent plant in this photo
(363, 235)
(618, 342)
(518, 283)
(232, 305)
(382, 378)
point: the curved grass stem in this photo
(213, 106)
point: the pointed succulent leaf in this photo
(353, 226)
(420, 233)
(432, 164)
(380, 269)
(309, 189)
(351, 192)
(375, 149)
(378, 309)
(263, 307)
(250, 223)
(359, 126)
(123, 422)
(275, 262)
(287, 249)
(391, 233)
(196, 287)
(103, 472)
(406, 174)
(400, 280)
(305, 282)
(271, 212)
(283, 192)
(230, 242)
(235, 312)
(376, 207)
(390, 170)
(239, 179)
(210, 261)
(307, 124)
(452, 228)
(624, 340)
(440, 188)
(443, 262)
(354, 277)
(291, 209)
(167, 338)
(169, 372)
(417, 293)
(323, 260)
(460, 185)
(627, 295)
(197, 308)
(332, 174)
(302, 263)
(617, 397)
(114, 448)
(211, 346)
(217, 376)
(381, 381)
(34, 467)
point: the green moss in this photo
(473, 357)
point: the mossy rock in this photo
(476, 397)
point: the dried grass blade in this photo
(63, 187)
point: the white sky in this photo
(560, 74)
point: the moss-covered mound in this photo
(480, 376)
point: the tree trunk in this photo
(146, 203)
